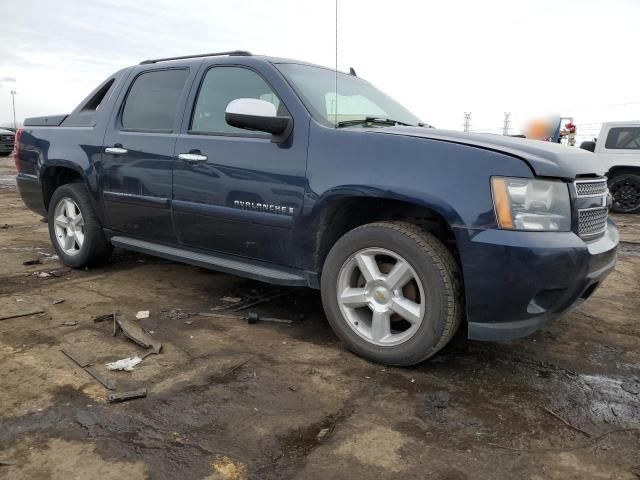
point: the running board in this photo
(242, 267)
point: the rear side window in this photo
(220, 86)
(152, 102)
(95, 101)
(623, 138)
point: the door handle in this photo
(193, 157)
(116, 150)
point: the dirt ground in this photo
(229, 400)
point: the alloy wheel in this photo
(381, 296)
(69, 226)
(626, 194)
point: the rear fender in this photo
(50, 180)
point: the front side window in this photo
(220, 86)
(623, 138)
(355, 99)
(152, 102)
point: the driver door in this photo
(240, 193)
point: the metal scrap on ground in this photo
(231, 299)
(87, 367)
(23, 313)
(136, 333)
(35, 261)
(124, 396)
(251, 301)
(40, 261)
(105, 317)
(47, 274)
(252, 318)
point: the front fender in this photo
(451, 179)
(414, 197)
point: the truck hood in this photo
(545, 159)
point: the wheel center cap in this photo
(381, 295)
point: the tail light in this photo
(16, 148)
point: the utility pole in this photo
(467, 121)
(13, 101)
(507, 121)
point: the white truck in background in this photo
(618, 146)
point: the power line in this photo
(593, 107)
(505, 126)
(467, 121)
(588, 129)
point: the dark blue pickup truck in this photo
(255, 166)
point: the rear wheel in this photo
(391, 293)
(625, 190)
(76, 233)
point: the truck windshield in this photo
(357, 100)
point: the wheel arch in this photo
(622, 169)
(345, 209)
(54, 175)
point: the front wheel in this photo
(74, 228)
(391, 292)
(625, 190)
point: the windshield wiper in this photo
(379, 120)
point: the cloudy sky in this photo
(439, 58)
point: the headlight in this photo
(526, 204)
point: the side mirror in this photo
(256, 114)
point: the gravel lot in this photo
(229, 400)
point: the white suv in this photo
(618, 146)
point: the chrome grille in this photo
(592, 221)
(591, 188)
(591, 204)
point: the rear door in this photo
(245, 193)
(137, 160)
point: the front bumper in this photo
(517, 282)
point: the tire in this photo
(625, 189)
(434, 286)
(94, 247)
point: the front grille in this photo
(592, 221)
(591, 188)
(591, 201)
